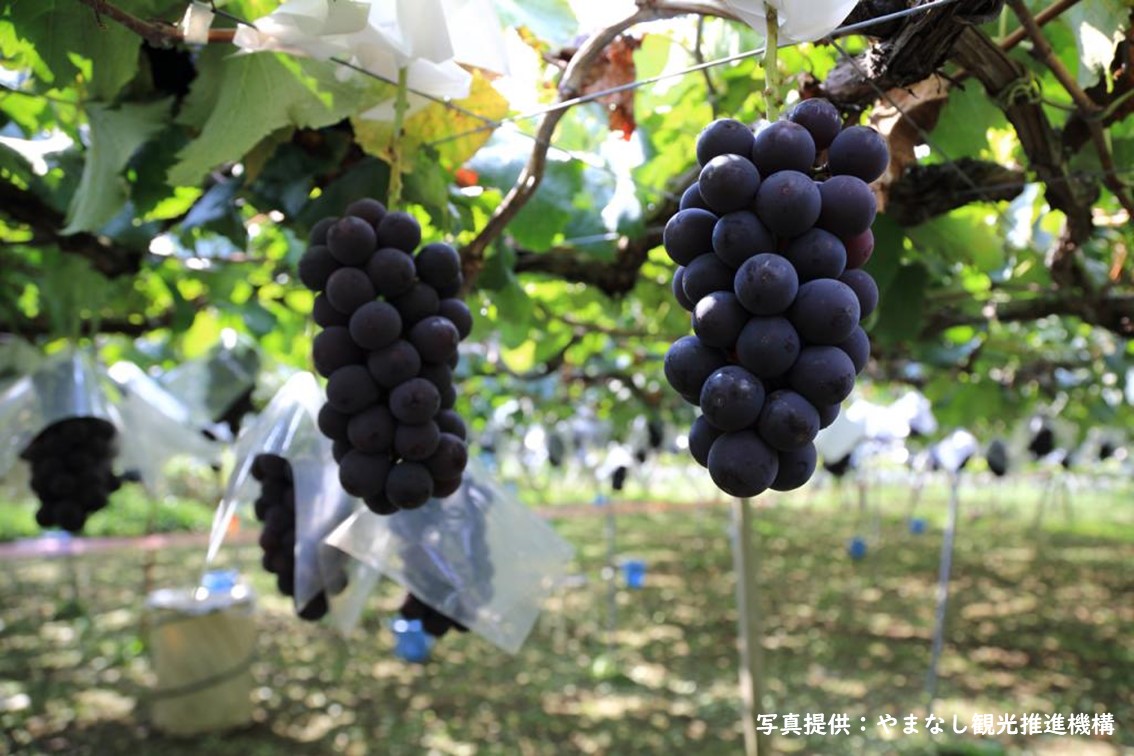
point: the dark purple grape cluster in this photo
(71, 470)
(391, 321)
(769, 264)
(275, 507)
(432, 621)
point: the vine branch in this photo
(1088, 108)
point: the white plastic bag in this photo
(479, 556)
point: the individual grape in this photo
(438, 265)
(348, 289)
(380, 504)
(418, 303)
(783, 146)
(828, 413)
(688, 363)
(788, 421)
(822, 374)
(363, 474)
(795, 468)
(435, 339)
(399, 230)
(788, 203)
(316, 266)
(679, 289)
(704, 275)
(415, 401)
(825, 311)
(371, 431)
(741, 464)
(729, 183)
(691, 197)
(350, 389)
(450, 458)
(452, 290)
(450, 422)
(718, 319)
(857, 347)
(820, 118)
(409, 485)
(285, 583)
(448, 396)
(391, 272)
(848, 206)
(458, 314)
(864, 287)
(687, 234)
(394, 364)
(370, 210)
(339, 450)
(443, 488)
(439, 374)
(766, 284)
(316, 608)
(731, 398)
(333, 348)
(318, 233)
(416, 442)
(740, 235)
(375, 325)
(332, 423)
(723, 136)
(351, 240)
(70, 516)
(817, 254)
(859, 249)
(768, 347)
(325, 315)
(859, 151)
(701, 438)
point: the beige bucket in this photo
(201, 649)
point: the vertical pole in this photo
(943, 575)
(756, 743)
(612, 578)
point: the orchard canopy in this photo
(161, 166)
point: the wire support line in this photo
(592, 96)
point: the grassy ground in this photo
(1039, 621)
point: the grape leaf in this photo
(901, 307)
(551, 20)
(115, 135)
(252, 96)
(436, 122)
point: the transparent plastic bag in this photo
(287, 428)
(479, 556)
(161, 427)
(70, 384)
(209, 386)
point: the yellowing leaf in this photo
(437, 122)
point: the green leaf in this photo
(962, 236)
(1098, 31)
(255, 95)
(369, 178)
(962, 129)
(59, 29)
(901, 307)
(551, 20)
(115, 135)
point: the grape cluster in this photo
(997, 458)
(432, 621)
(71, 473)
(770, 266)
(275, 507)
(391, 322)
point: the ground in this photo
(1039, 621)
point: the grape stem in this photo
(771, 64)
(394, 152)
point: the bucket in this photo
(634, 572)
(917, 525)
(411, 644)
(856, 547)
(200, 643)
